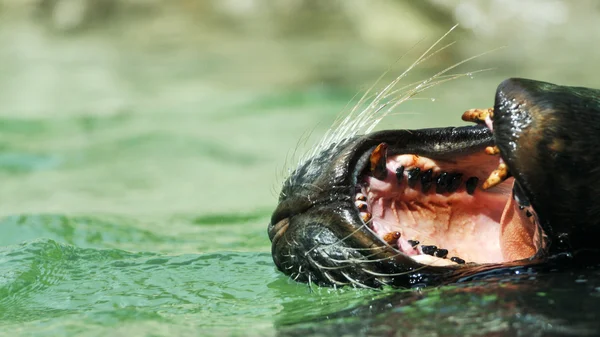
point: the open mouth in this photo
(446, 211)
(427, 206)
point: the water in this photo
(132, 207)
(52, 288)
(139, 171)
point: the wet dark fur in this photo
(548, 135)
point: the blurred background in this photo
(154, 108)
(166, 127)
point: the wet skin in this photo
(353, 213)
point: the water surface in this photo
(138, 176)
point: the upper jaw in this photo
(327, 177)
(548, 135)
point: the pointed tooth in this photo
(429, 250)
(455, 182)
(426, 180)
(391, 238)
(457, 260)
(361, 197)
(413, 176)
(365, 216)
(378, 161)
(441, 253)
(442, 183)
(361, 205)
(477, 115)
(400, 174)
(492, 150)
(471, 184)
(413, 242)
(497, 176)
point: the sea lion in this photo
(433, 206)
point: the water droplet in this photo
(470, 75)
(433, 99)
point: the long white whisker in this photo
(355, 282)
(363, 117)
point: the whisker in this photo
(343, 126)
(339, 240)
(350, 123)
(313, 186)
(359, 116)
(425, 83)
(334, 281)
(356, 282)
(350, 263)
(439, 80)
(395, 274)
(364, 249)
(424, 56)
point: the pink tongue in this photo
(516, 233)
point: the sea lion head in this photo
(419, 207)
(549, 137)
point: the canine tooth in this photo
(497, 176)
(429, 250)
(413, 242)
(477, 115)
(426, 180)
(413, 176)
(471, 184)
(455, 182)
(392, 237)
(365, 216)
(457, 260)
(441, 253)
(361, 205)
(361, 197)
(492, 150)
(400, 174)
(378, 161)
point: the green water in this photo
(155, 224)
(151, 223)
(53, 288)
(138, 172)
(147, 220)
